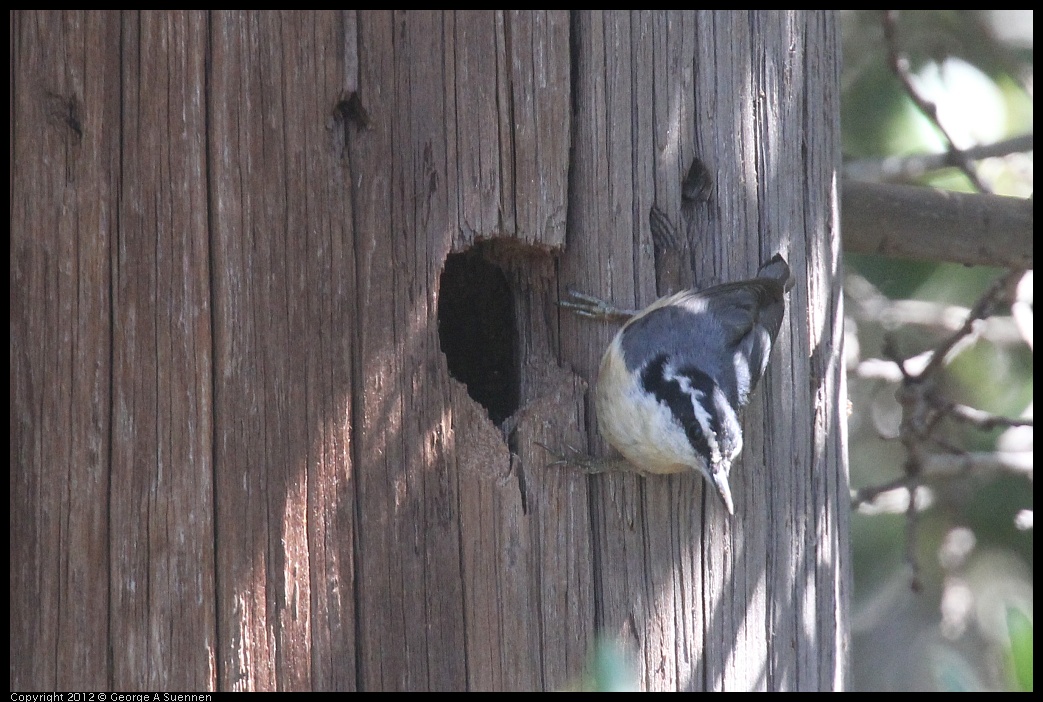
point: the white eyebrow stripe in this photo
(702, 416)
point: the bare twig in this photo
(868, 495)
(867, 304)
(1012, 462)
(1002, 289)
(909, 169)
(911, 519)
(924, 408)
(936, 469)
(900, 67)
(985, 420)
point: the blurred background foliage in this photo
(968, 623)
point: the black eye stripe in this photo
(669, 390)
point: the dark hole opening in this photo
(476, 331)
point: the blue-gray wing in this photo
(725, 331)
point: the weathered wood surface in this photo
(238, 459)
(708, 602)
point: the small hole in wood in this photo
(476, 330)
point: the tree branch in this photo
(922, 223)
(924, 408)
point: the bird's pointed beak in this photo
(720, 481)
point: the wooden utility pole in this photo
(284, 338)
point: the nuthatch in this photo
(674, 378)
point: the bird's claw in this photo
(560, 459)
(593, 307)
(585, 463)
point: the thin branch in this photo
(900, 67)
(985, 420)
(867, 304)
(1002, 289)
(1012, 462)
(909, 169)
(936, 469)
(868, 495)
(911, 520)
(924, 408)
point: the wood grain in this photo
(239, 460)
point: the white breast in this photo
(642, 429)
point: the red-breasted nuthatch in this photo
(674, 378)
